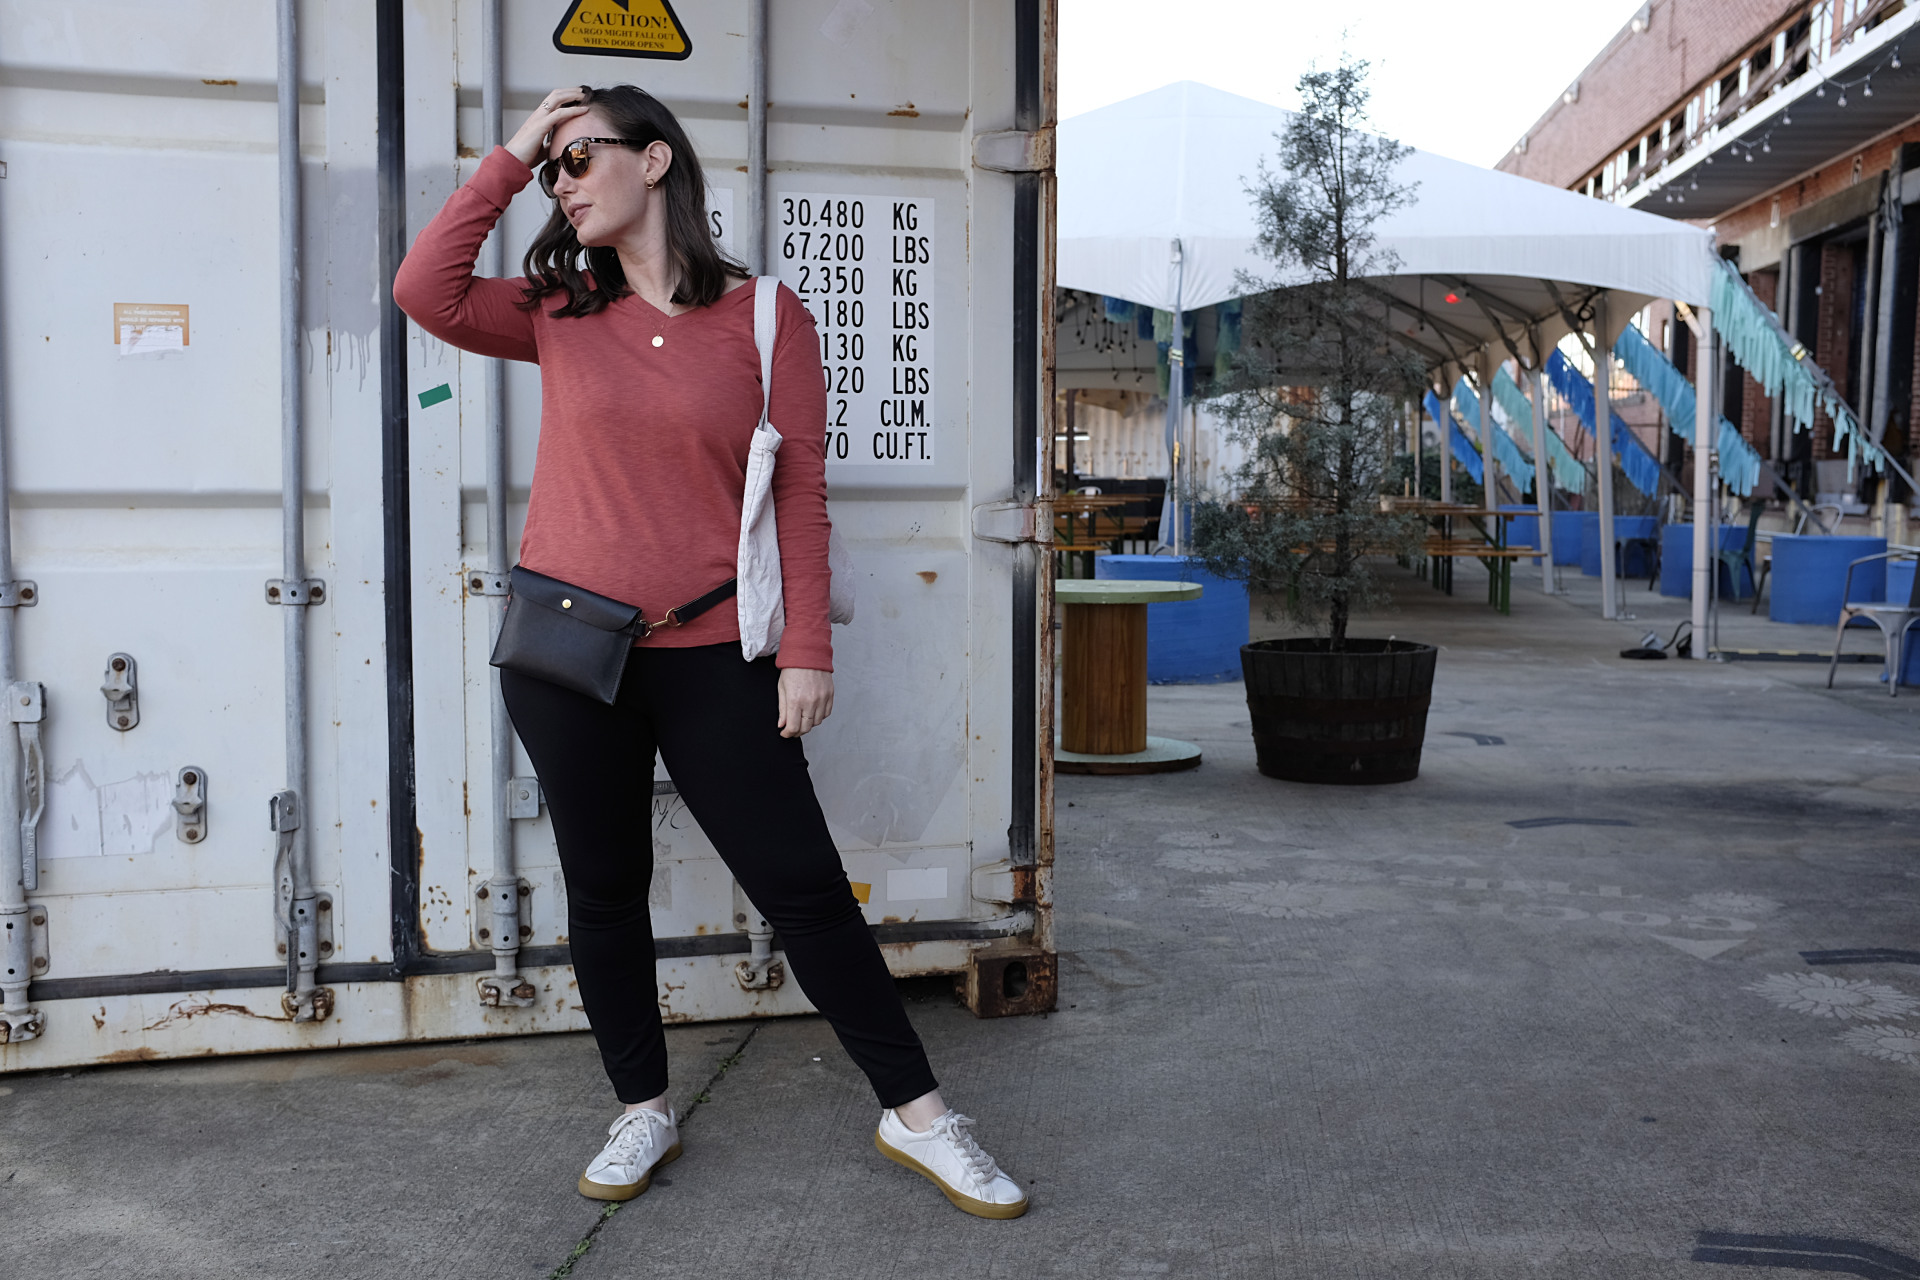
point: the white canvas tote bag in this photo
(763, 612)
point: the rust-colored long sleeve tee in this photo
(639, 477)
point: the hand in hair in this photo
(529, 143)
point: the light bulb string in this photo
(1747, 146)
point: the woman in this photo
(650, 393)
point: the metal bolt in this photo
(190, 778)
(26, 593)
(193, 833)
(477, 584)
(119, 664)
(484, 935)
(273, 593)
(526, 931)
(325, 946)
(123, 722)
(326, 904)
(525, 891)
(482, 895)
(282, 948)
(39, 920)
(39, 962)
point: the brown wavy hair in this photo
(553, 261)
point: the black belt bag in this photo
(576, 639)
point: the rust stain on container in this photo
(905, 109)
(232, 82)
(142, 1054)
(927, 576)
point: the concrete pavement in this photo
(1542, 1012)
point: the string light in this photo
(1867, 90)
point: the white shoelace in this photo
(953, 1127)
(629, 1130)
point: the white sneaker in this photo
(947, 1153)
(639, 1142)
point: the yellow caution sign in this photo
(622, 29)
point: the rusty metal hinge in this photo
(1014, 151)
(1014, 522)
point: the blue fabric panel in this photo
(1117, 309)
(1188, 641)
(1810, 571)
(1516, 464)
(1739, 464)
(1641, 468)
(1465, 452)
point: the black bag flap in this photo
(551, 593)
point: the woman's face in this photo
(612, 197)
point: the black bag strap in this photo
(681, 614)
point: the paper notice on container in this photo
(140, 328)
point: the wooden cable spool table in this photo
(1103, 678)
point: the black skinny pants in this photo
(714, 717)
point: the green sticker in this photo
(430, 398)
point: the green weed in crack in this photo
(580, 1250)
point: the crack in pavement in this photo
(585, 1244)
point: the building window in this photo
(1745, 75)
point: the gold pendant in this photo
(658, 340)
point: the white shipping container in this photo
(263, 800)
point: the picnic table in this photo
(1443, 545)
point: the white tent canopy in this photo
(1483, 263)
(1175, 164)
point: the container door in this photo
(877, 216)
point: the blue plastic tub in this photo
(1524, 531)
(1188, 641)
(1633, 564)
(1676, 562)
(1810, 571)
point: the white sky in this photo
(1460, 80)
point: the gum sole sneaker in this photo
(638, 1144)
(947, 1155)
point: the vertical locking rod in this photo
(294, 843)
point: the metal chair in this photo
(1892, 619)
(1742, 558)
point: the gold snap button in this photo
(566, 604)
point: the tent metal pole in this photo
(1706, 415)
(1542, 473)
(1176, 388)
(1446, 449)
(1603, 452)
(1491, 488)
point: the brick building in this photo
(1792, 130)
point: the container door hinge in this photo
(1014, 522)
(122, 690)
(27, 707)
(1003, 884)
(17, 1026)
(294, 591)
(1014, 151)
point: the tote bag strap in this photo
(766, 326)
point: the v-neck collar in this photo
(654, 315)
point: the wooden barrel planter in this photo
(1354, 717)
